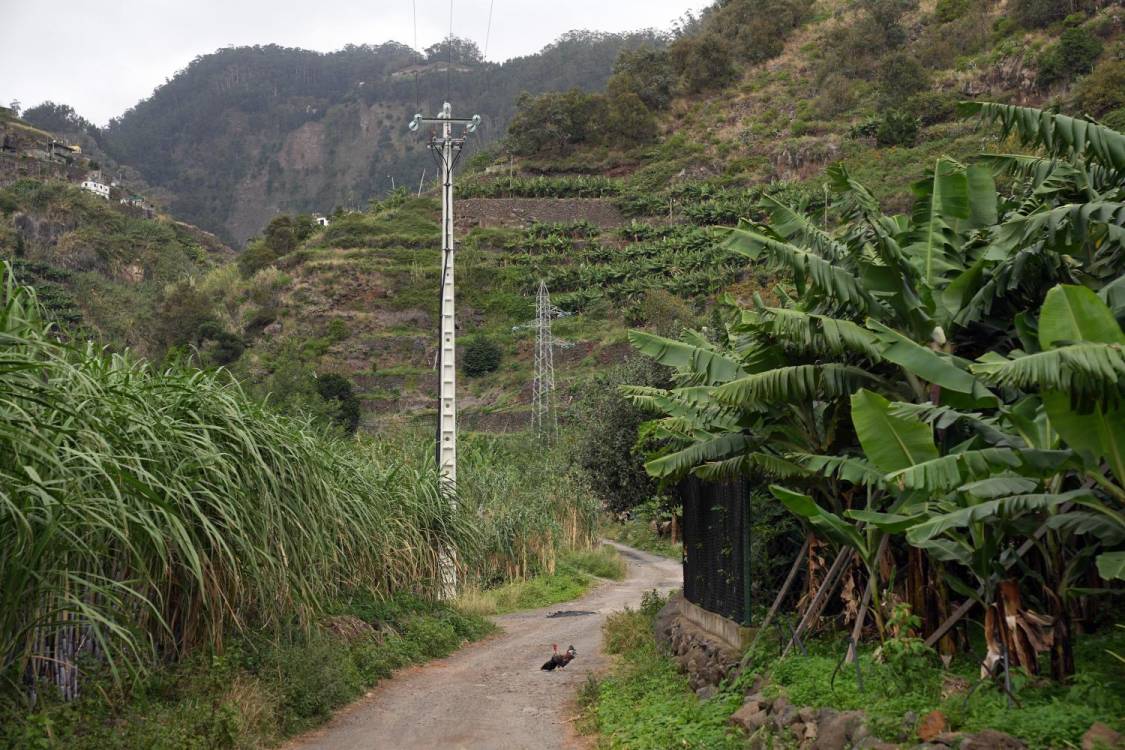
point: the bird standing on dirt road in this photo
(559, 660)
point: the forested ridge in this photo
(246, 132)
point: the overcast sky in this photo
(102, 57)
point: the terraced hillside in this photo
(360, 299)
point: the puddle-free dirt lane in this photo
(492, 695)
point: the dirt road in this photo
(492, 695)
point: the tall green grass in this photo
(147, 512)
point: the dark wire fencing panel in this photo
(716, 531)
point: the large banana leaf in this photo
(990, 511)
(1111, 565)
(794, 384)
(789, 223)
(848, 468)
(1061, 136)
(951, 471)
(819, 334)
(1076, 314)
(829, 278)
(942, 202)
(680, 462)
(1089, 369)
(749, 465)
(831, 525)
(891, 443)
(706, 365)
(691, 404)
(1064, 227)
(940, 369)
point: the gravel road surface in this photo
(492, 695)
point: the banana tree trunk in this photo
(1019, 632)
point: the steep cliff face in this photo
(245, 133)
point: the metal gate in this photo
(716, 532)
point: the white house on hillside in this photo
(96, 188)
(321, 220)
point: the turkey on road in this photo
(559, 660)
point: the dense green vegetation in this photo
(227, 515)
(257, 691)
(573, 575)
(644, 702)
(947, 382)
(98, 269)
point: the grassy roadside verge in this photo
(638, 534)
(644, 702)
(575, 572)
(260, 690)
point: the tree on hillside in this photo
(57, 118)
(607, 424)
(629, 120)
(756, 29)
(460, 51)
(337, 389)
(703, 63)
(646, 72)
(555, 122)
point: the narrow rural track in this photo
(492, 695)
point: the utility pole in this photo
(544, 417)
(446, 147)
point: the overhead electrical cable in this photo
(449, 43)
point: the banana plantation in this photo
(936, 397)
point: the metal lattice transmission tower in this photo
(446, 147)
(544, 416)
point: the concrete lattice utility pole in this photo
(446, 147)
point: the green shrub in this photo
(335, 388)
(756, 29)
(900, 76)
(646, 72)
(897, 128)
(950, 10)
(482, 355)
(257, 255)
(1034, 14)
(607, 425)
(629, 120)
(1074, 55)
(1103, 91)
(1116, 119)
(932, 107)
(703, 62)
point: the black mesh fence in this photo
(716, 533)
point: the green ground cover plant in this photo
(645, 703)
(259, 690)
(575, 572)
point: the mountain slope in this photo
(245, 133)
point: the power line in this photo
(488, 31)
(417, 90)
(449, 65)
